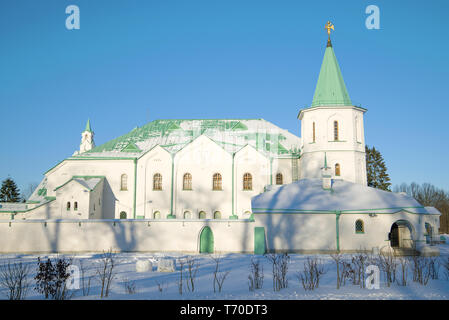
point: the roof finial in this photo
(328, 27)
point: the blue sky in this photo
(132, 62)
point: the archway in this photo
(206, 241)
(401, 235)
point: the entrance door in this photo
(206, 241)
(394, 236)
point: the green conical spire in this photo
(330, 89)
(88, 126)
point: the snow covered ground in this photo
(236, 283)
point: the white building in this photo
(194, 180)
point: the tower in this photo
(332, 125)
(87, 138)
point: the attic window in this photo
(68, 206)
(75, 206)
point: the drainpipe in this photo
(171, 216)
(233, 216)
(337, 226)
(135, 187)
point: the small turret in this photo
(326, 175)
(87, 138)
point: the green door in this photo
(206, 241)
(259, 240)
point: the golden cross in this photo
(328, 27)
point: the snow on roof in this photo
(309, 195)
(174, 134)
(89, 182)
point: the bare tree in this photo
(85, 283)
(341, 268)
(180, 280)
(219, 277)
(130, 286)
(192, 269)
(311, 274)
(404, 263)
(359, 262)
(279, 263)
(388, 265)
(421, 270)
(256, 275)
(105, 272)
(14, 279)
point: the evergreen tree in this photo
(9, 191)
(376, 170)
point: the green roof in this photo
(174, 134)
(330, 89)
(88, 126)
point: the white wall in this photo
(126, 235)
(348, 151)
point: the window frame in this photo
(217, 182)
(157, 182)
(362, 224)
(187, 181)
(247, 181)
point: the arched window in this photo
(123, 215)
(216, 182)
(68, 206)
(157, 181)
(187, 182)
(359, 226)
(75, 206)
(217, 215)
(336, 130)
(279, 179)
(202, 215)
(187, 215)
(313, 132)
(123, 182)
(337, 169)
(247, 181)
(156, 215)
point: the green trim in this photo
(233, 217)
(337, 228)
(135, 188)
(171, 216)
(337, 141)
(172, 182)
(50, 199)
(233, 155)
